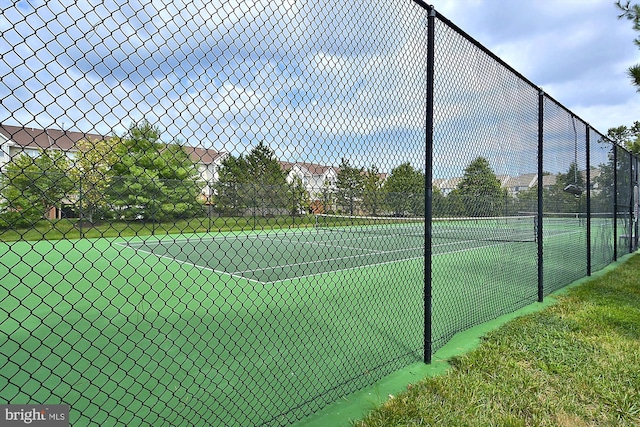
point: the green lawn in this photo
(576, 363)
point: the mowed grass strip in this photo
(576, 363)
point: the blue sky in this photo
(578, 51)
(318, 81)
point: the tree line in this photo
(137, 177)
(130, 177)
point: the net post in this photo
(428, 333)
(588, 179)
(540, 195)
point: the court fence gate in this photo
(236, 214)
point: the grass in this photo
(71, 229)
(576, 363)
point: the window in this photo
(31, 152)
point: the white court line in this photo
(264, 237)
(489, 245)
(240, 274)
(203, 268)
(329, 259)
(342, 269)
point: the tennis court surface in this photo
(258, 327)
(282, 255)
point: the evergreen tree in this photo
(480, 190)
(151, 179)
(255, 182)
(268, 191)
(373, 191)
(230, 188)
(349, 187)
(405, 190)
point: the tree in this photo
(327, 198)
(480, 190)
(632, 13)
(453, 205)
(560, 200)
(269, 192)
(373, 191)
(349, 187)
(626, 137)
(438, 203)
(299, 197)
(229, 190)
(527, 200)
(405, 189)
(31, 187)
(90, 173)
(151, 179)
(255, 182)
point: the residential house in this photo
(519, 183)
(316, 180)
(15, 140)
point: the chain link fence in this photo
(236, 214)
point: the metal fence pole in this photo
(540, 194)
(615, 202)
(428, 338)
(635, 202)
(588, 189)
(629, 231)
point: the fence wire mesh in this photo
(564, 197)
(484, 139)
(601, 186)
(219, 214)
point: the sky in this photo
(577, 51)
(317, 81)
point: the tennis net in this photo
(503, 229)
(577, 218)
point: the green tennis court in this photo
(284, 255)
(215, 324)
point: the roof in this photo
(312, 168)
(29, 137)
(203, 155)
(525, 180)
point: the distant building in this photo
(317, 179)
(15, 140)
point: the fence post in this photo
(629, 230)
(635, 202)
(588, 189)
(540, 194)
(615, 202)
(428, 338)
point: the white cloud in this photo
(308, 77)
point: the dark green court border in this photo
(357, 405)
